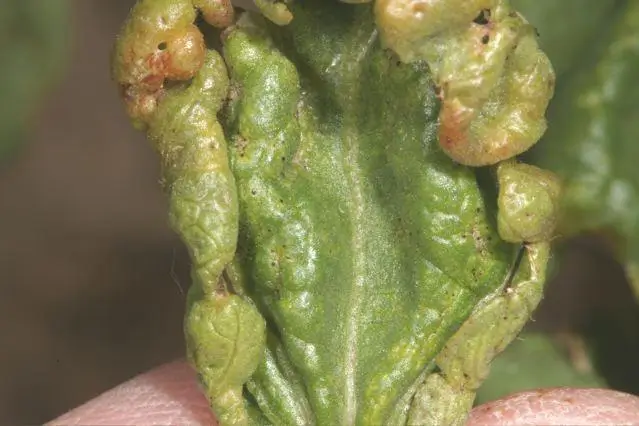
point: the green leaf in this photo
(34, 37)
(591, 142)
(532, 361)
(330, 233)
(362, 244)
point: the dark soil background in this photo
(92, 280)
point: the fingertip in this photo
(559, 406)
(169, 395)
(166, 395)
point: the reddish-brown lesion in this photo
(454, 127)
(455, 118)
(149, 55)
(218, 13)
(140, 104)
(492, 111)
(147, 63)
(459, 142)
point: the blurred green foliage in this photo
(567, 28)
(34, 42)
(592, 139)
(530, 362)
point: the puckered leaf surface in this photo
(362, 244)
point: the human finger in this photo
(559, 406)
(169, 395)
(166, 395)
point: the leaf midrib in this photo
(350, 138)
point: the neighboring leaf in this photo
(533, 361)
(567, 28)
(592, 141)
(34, 37)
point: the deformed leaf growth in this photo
(347, 266)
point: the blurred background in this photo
(92, 280)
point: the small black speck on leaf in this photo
(483, 17)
